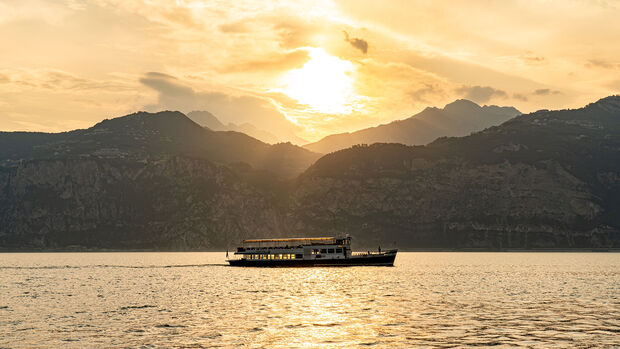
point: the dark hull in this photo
(386, 259)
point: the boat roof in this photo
(289, 240)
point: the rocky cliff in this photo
(166, 203)
(549, 179)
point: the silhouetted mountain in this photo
(206, 119)
(545, 180)
(549, 179)
(458, 118)
(144, 135)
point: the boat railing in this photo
(368, 253)
(263, 248)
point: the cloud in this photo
(168, 86)
(480, 94)
(235, 27)
(599, 63)
(359, 44)
(174, 94)
(272, 62)
(57, 80)
(429, 90)
(529, 58)
(545, 92)
(520, 97)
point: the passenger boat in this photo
(306, 252)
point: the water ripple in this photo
(191, 300)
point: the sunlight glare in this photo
(324, 83)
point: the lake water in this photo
(192, 300)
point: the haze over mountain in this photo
(458, 118)
(207, 119)
(549, 179)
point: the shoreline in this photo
(512, 250)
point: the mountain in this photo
(549, 179)
(142, 135)
(206, 119)
(458, 118)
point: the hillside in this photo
(549, 179)
(142, 135)
(458, 118)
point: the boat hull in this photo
(386, 259)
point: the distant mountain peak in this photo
(207, 119)
(458, 118)
(168, 121)
(462, 104)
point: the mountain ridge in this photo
(544, 180)
(458, 118)
(207, 119)
(142, 135)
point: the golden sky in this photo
(298, 68)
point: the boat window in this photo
(331, 250)
(299, 256)
(338, 250)
(323, 250)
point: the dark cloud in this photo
(359, 44)
(480, 94)
(545, 92)
(175, 95)
(520, 97)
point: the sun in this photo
(324, 83)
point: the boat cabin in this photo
(295, 248)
